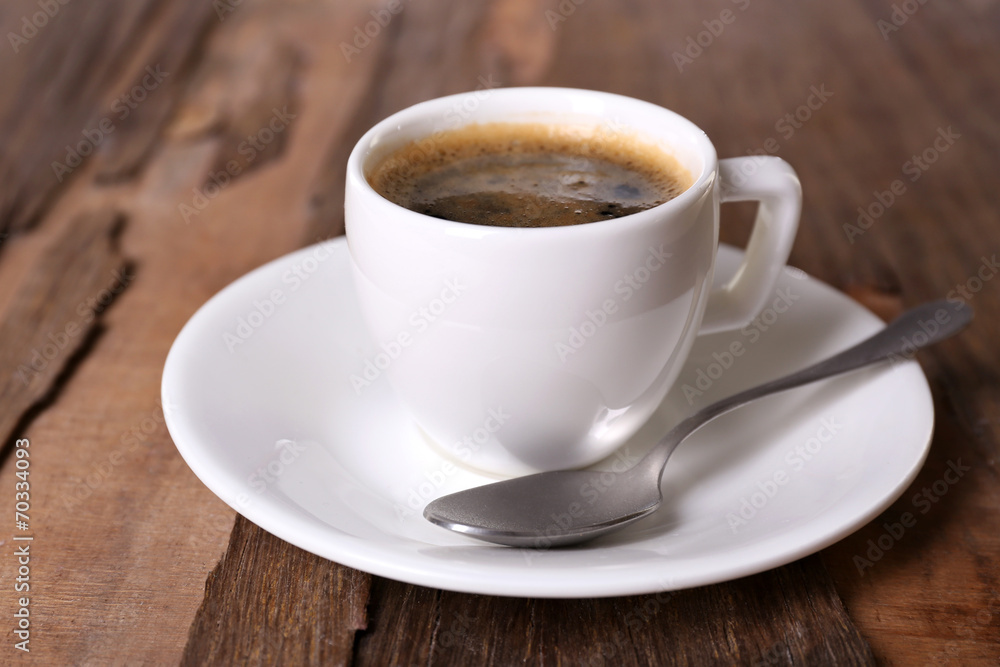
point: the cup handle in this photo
(771, 181)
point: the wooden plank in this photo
(125, 533)
(99, 96)
(268, 604)
(155, 81)
(56, 315)
(104, 459)
(929, 595)
(791, 615)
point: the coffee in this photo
(529, 175)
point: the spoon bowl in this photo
(549, 509)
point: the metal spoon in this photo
(547, 509)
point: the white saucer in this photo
(276, 430)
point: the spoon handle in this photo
(913, 330)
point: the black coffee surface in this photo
(529, 175)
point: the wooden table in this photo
(119, 217)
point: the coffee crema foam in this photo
(529, 175)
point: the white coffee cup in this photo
(518, 350)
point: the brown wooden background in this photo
(135, 562)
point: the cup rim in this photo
(358, 182)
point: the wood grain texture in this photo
(126, 535)
(791, 615)
(270, 603)
(84, 76)
(55, 314)
(304, 611)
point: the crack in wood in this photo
(94, 97)
(269, 603)
(52, 324)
